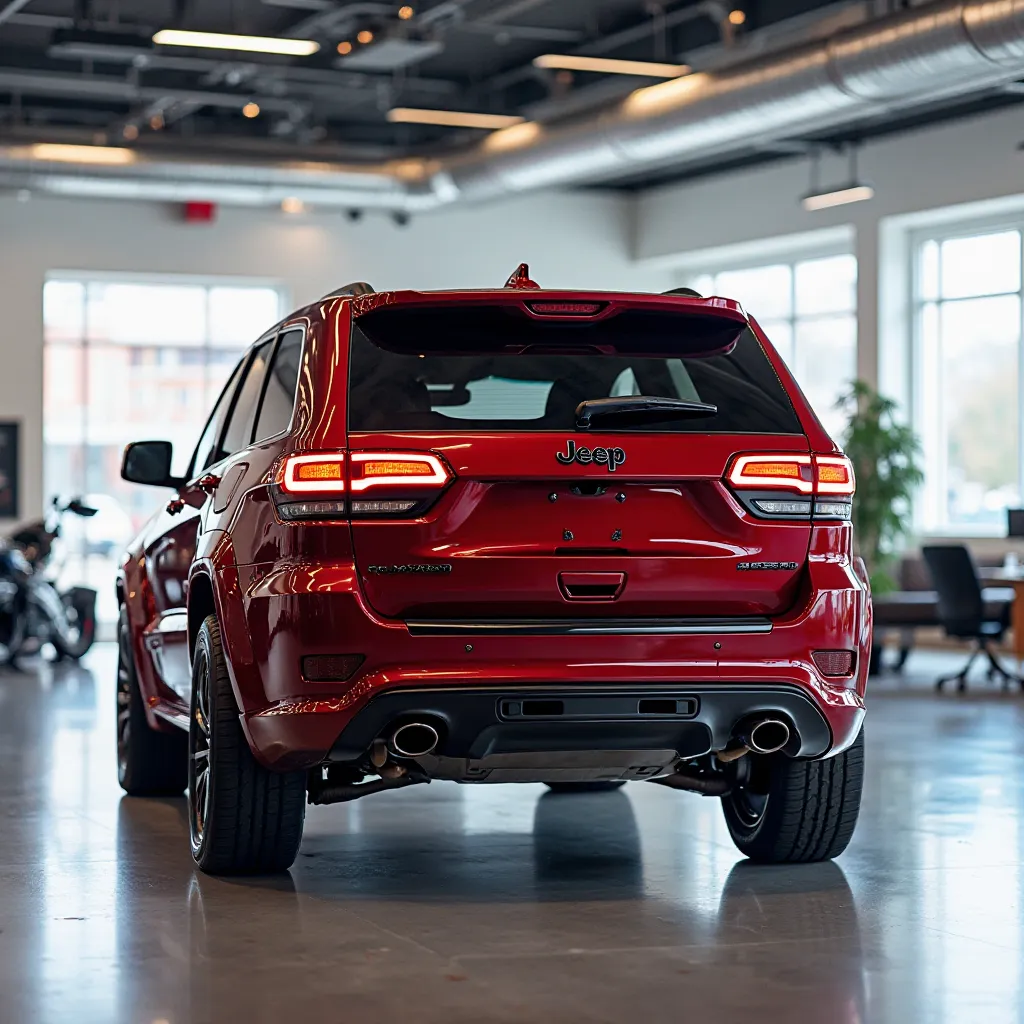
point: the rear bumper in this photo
(292, 723)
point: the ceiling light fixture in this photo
(225, 41)
(293, 205)
(251, 110)
(344, 48)
(452, 118)
(405, 12)
(109, 155)
(737, 17)
(156, 122)
(853, 191)
(130, 132)
(365, 37)
(837, 197)
(610, 66)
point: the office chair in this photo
(968, 613)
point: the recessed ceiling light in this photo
(130, 132)
(406, 12)
(837, 197)
(344, 47)
(737, 17)
(610, 66)
(293, 205)
(366, 36)
(110, 155)
(225, 41)
(452, 118)
(251, 110)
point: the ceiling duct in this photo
(927, 53)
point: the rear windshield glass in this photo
(476, 369)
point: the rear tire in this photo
(583, 787)
(795, 812)
(243, 818)
(149, 763)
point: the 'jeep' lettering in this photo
(610, 457)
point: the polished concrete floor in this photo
(503, 904)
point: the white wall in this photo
(571, 240)
(960, 169)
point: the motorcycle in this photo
(31, 607)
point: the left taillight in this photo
(821, 486)
(339, 484)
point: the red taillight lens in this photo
(789, 472)
(396, 470)
(806, 474)
(323, 473)
(833, 663)
(834, 475)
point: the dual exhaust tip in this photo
(762, 736)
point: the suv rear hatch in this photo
(544, 507)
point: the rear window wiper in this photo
(635, 410)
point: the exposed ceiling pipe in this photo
(940, 50)
(934, 51)
(11, 8)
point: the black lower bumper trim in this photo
(477, 723)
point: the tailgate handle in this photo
(591, 586)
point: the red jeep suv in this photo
(509, 535)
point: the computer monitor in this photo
(1015, 522)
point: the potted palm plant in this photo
(884, 453)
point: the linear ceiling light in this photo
(837, 197)
(110, 155)
(223, 41)
(452, 118)
(609, 66)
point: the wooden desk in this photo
(1013, 578)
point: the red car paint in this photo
(286, 590)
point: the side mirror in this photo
(148, 462)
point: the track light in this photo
(452, 118)
(105, 155)
(251, 110)
(226, 41)
(852, 191)
(610, 66)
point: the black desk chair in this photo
(969, 613)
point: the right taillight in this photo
(821, 486)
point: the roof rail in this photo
(355, 288)
(684, 291)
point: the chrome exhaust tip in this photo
(414, 739)
(767, 736)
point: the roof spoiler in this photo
(355, 288)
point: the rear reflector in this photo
(330, 668)
(397, 469)
(833, 663)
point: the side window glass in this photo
(279, 396)
(206, 453)
(239, 431)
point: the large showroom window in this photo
(808, 309)
(125, 360)
(967, 365)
